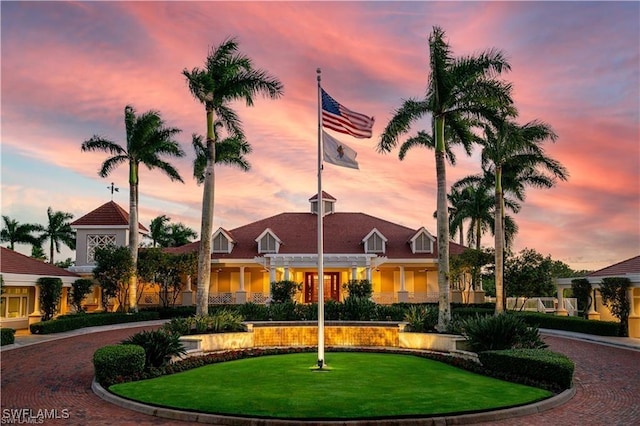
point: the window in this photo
(374, 242)
(268, 244)
(423, 244)
(98, 241)
(14, 302)
(220, 244)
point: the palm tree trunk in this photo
(444, 306)
(133, 233)
(206, 228)
(499, 243)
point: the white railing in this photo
(386, 298)
(221, 298)
(258, 297)
(571, 306)
(423, 297)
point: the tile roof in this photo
(343, 234)
(325, 196)
(107, 214)
(12, 262)
(629, 266)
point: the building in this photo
(19, 302)
(629, 268)
(400, 262)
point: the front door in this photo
(331, 287)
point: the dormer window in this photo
(222, 242)
(268, 242)
(375, 242)
(328, 204)
(422, 242)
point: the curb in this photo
(463, 419)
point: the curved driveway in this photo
(57, 375)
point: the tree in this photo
(64, 264)
(38, 253)
(470, 260)
(19, 233)
(230, 151)
(113, 271)
(147, 141)
(226, 77)
(581, 289)
(57, 231)
(529, 274)
(518, 151)
(158, 231)
(166, 269)
(180, 234)
(460, 91)
(80, 288)
(614, 295)
(50, 294)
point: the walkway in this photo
(39, 373)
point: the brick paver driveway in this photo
(57, 376)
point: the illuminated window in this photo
(14, 302)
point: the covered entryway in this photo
(331, 286)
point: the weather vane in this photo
(113, 188)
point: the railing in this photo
(258, 297)
(423, 297)
(387, 298)
(221, 298)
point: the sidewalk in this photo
(24, 338)
(618, 342)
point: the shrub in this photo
(284, 291)
(283, 311)
(172, 312)
(333, 311)
(158, 346)
(503, 331)
(359, 288)
(7, 336)
(358, 309)
(578, 325)
(113, 362)
(471, 312)
(308, 312)
(538, 365)
(393, 312)
(179, 326)
(254, 312)
(79, 290)
(50, 293)
(75, 321)
(421, 318)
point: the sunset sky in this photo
(70, 68)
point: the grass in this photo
(358, 385)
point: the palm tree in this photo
(230, 151)
(476, 203)
(516, 150)
(459, 91)
(179, 234)
(148, 139)
(58, 230)
(19, 233)
(227, 76)
(158, 230)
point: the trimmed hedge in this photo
(576, 324)
(7, 336)
(76, 321)
(538, 365)
(114, 362)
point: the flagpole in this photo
(320, 210)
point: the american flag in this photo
(337, 117)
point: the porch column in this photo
(593, 314)
(187, 294)
(354, 271)
(368, 268)
(634, 317)
(560, 310)
(272, 275)
(286, 270)
(241, 295)
(36, 302)
(64, 306)
(403, 295)
(99, 298)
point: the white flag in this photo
(336, 152)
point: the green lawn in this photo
(358, 385)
